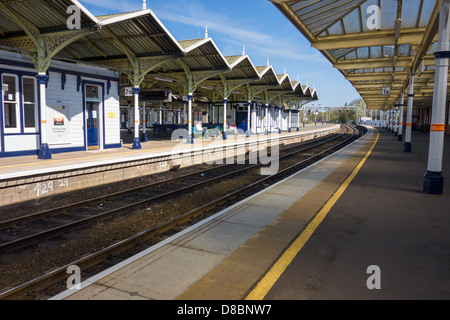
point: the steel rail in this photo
(74, 225)
(60, 274)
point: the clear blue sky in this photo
(258, 25)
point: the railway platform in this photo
(230, 255)
(27, 178)
(315, 235)
(383, 225)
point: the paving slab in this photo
(261, 226)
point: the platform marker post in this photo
(400, 121)
(225, 104)
(190, 139)
(266, 120)
(249, 114)
(290, 121)
(144, 137)
(391, 120)
(137, 141)
(44, 151)
(409, 110)
(396, 112)
(386, 120)
(184, 113)
(213, 113)
(433, 180)
(129, 117)
(279, 119)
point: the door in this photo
(123, 118)
(241, 120)
(92, 125)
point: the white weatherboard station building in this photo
(82, 109)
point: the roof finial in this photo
(284, 70)
(206, 32)
(298, 79)
(268, 61)
(243, 50)
(144, 4)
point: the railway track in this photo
(17, 234)
(30, 229)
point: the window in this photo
(92, 93)
(29, 104)
(10, 103)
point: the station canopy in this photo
(232, 84)
(268, 80)
(137, 45)
(202, 60)
(300, 94)
(375, 44)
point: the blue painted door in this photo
(241, 120)
(92, 124)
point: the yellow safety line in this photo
(263, 287)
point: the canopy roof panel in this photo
(138, 35)
(22, 22)
(46, 15)
(123, 41)
(297, 92)
(241, 73)
(268, 77)
(241, 68)
(200, 55)
(373, 43)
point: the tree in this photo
(361, 104)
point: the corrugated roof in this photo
(242, 71)
(116, 40)
(372, 51)
(39, 16)
(139, 32)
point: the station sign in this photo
(129, 91)
(386, 91)
(58, 126)
(156, 95)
